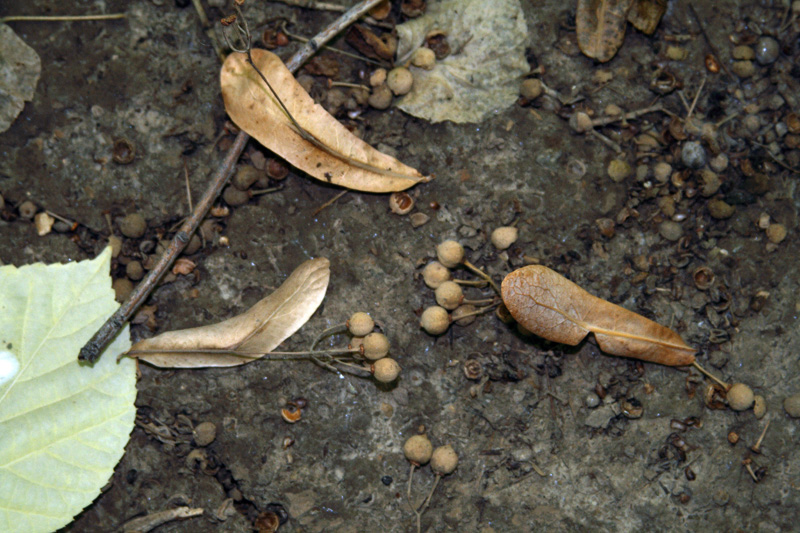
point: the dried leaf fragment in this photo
(551, 306)
(245, 337)
(339, 157)
(600, 26)
(646, 14)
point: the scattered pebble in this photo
(776, 233)
(743, 52)
(618, 170)
(767, 50)
(378, 77)
(744, 69)
(419, 219)
(591, 400)
(133, 226)
(672, 231)
(662, 171)
(693, 155)
(792, 405)
(719, 163)
(205, 433)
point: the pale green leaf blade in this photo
(63, 426)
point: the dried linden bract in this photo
(449, 295)
(385, 370)
(435, 320)
(444, 460)
(740, 397)
(450, 253)
(434, 274)
(504, 236)
(418, 449)
(376, 345)
(360, 324)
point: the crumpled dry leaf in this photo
(646, 14)
(253, 108)
(553, 307)
(20, 68)
(600, 25)
(480, 76)
(255, 332)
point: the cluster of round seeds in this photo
(372, 346)
(419, 451)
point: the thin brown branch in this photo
(92, 350)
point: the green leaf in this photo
(63, 426)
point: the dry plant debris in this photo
(20, 68)
(601, 24)
(245, 337)
(337, 156)
(551, 306)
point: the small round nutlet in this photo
(743, 69)
(378, 77)
(693, 155)
(134, 270)
(449, 295)
(245, 177)
(385, 370)
(360, 324)
(376, 345)
(792, 405)
(733, 437)
(205, 433)
(618, 170)
(776, 233)
(423, 58)
(458, 317)
(531, 88)
(435, 320)
(504, 236)
(767, 50)
(444, 460)
(580, 122)
(450, 253)
(434, 274)
(381, 97)
(27, 210)
(662, 171)
(401, 203)
(235, 197)
(277, 170)
(133, 226)
(418, 449)
(740, 397)
(399, 80)
(591, 400)
(123, 152)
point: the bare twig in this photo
(92, 350)
(64, 18)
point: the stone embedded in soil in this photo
(672, 231)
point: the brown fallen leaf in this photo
(331, 154)
(551, 306)
(600, 25)
(245, 337)
(645, 15)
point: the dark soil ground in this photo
(533, 455)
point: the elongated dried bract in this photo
(551, 306)
(335, 155)
(255, 332)
(600, 25)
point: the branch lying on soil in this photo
(92, 350)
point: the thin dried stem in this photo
(482, 274)
(64, 18)
(112, 326)
(710, 375)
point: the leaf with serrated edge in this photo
(255, 332)
(251, 105)
(551, 306)
(63, 426)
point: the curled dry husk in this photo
(553, 307)
(348, 161)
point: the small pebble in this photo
(204, 433)
(44, 223)
(591, 400)
(387, 480)
(618, 170)
(133, 226)
(720, 210)
(776, 233)
(662, 171)
(693, 155)
(792, 405)
(672, 231)
(767, 50)
(418, 219)
(235, 197)
(719, 163)
(751, 123)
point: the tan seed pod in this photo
(444, 460)
(418, 449)
(385, 370)
(740, 397)
(504, 236)
(434, 274)
(360, 324)
(424, 58)
(400, 80)
(450, 253)
(449, 295)
(376, 345)
(435, 320)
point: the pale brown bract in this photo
(247, 336)
(347, 161)
(551, 306)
